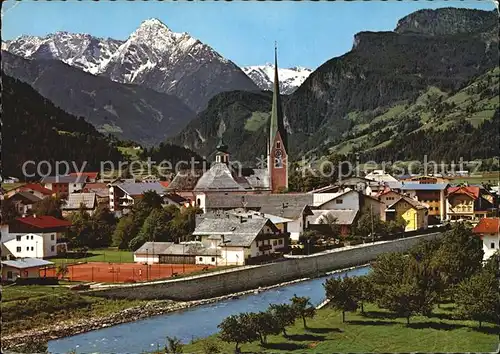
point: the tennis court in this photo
(124, 272)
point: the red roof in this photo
(164, 183)
(43, 222)
(487, 226)
(37, 188)
(92, 175)
(471, 191)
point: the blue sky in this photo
(308, 33)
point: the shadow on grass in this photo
(305, 336)
(379, 314)
(443, 316)
(324, 330)
(436, 325)
(487, 330)
(284, 346)
(371, 323)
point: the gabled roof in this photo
(43, 222)
(26, 197)
(415, 204)
(220, 178)
(487, 226)
(37, 188)
(471, 191)
(75, 200)
(24, 263)
(236, 232)
(424, 186)
(65, 179)
(176, 198)
(136, 189)
(100, 189)
(170, 248)
(185, 180)
(344, 217)
(289, 205)
(90, 175)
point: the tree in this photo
(308, 239)
(264, 324)
(459, 256)
(492, 265)
(365, 291)
(173, 345)
(238, 330)
(154, 228)
(332, 223)
(103, 226)
(81, 229)
(124, 232)
(284, 315)
(343, 294)
(367, 222)
(303, 308)
(9, 211)
(50, 206)
(211, 347)
(478, 298)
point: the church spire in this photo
(277, 110)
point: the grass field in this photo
(376, 331)
(15, 293)
(111, 255)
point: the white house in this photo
(65, 184)
(177, 253)
(240, 240)
(22, 268)
(34, 236)
(24, 201)
(489, 231)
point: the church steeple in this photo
(277, 124)
(277, 157)
(222, 154)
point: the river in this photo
(196, 322)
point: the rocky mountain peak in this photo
(448, 21)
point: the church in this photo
(222, 177)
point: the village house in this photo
(101, 191)
(79, 201)
(295, 207)
(242, 241)
(23, 202)
(349, 199)
(34, 236)
(122, 196)
(343, 219)
(414, 213)
(23, 268)
(432, 195)
(64, 184)
(468, 202)
(177, 253)
(33, 188)
(91, 177)
(489, 231)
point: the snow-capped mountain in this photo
(82, 51)
(290, 79)
(153, 56)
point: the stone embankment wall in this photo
(241, 279)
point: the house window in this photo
(200, 259)
(492, 246)
(27, 248)
(213, 259)
(275, 242)
(9, 274)
(339, 201)
(27, 237)
(278, 145)
(18, 238)
(18, 249)
(52, 237)
(32, 237)
(32, 248)
(280, 241)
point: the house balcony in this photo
(265, 248)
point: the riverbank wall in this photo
(247, 278)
